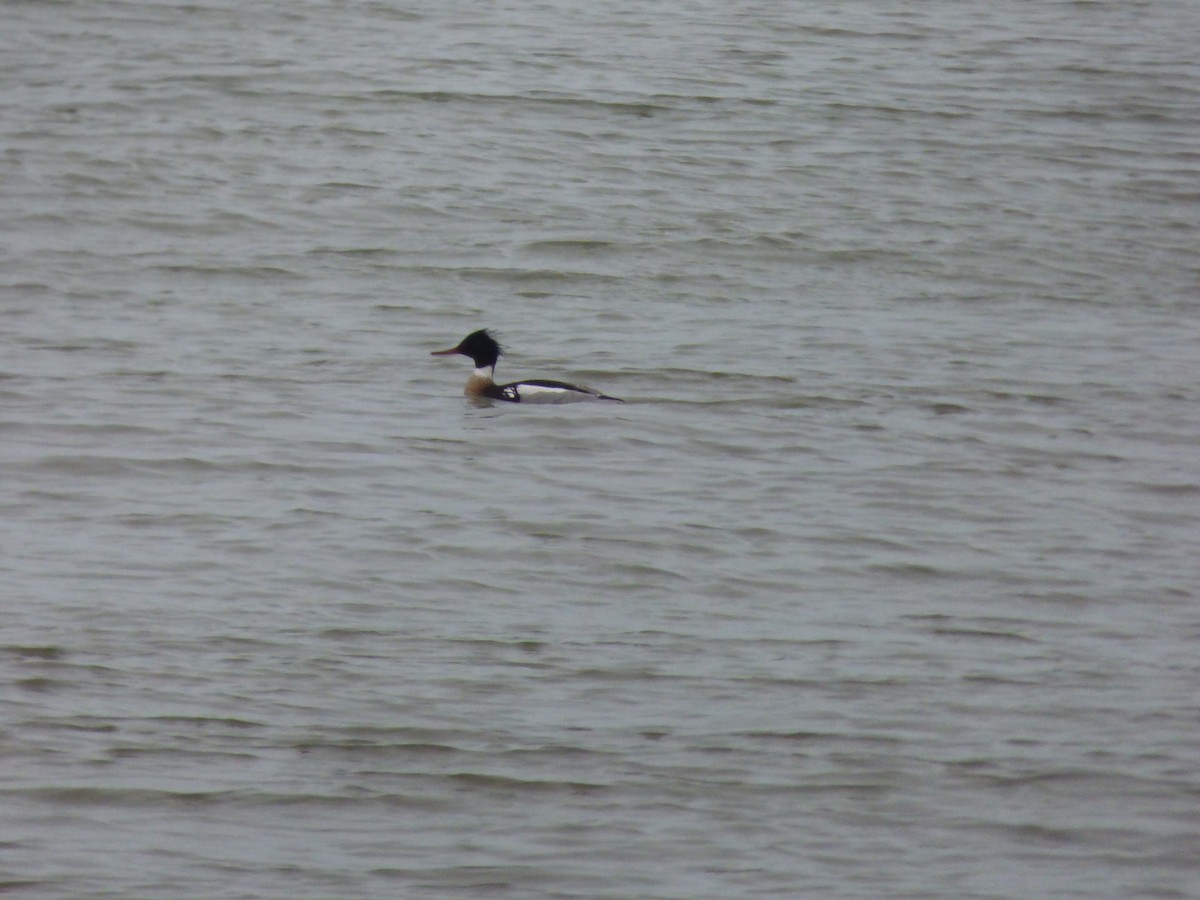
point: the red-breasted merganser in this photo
(483, 349)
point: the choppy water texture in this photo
(883, 584)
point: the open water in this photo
(884, 583)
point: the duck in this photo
(485, 351)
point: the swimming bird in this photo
(483, 350)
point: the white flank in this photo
(537, 393)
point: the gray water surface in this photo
(883, 583)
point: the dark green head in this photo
(479, 345)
